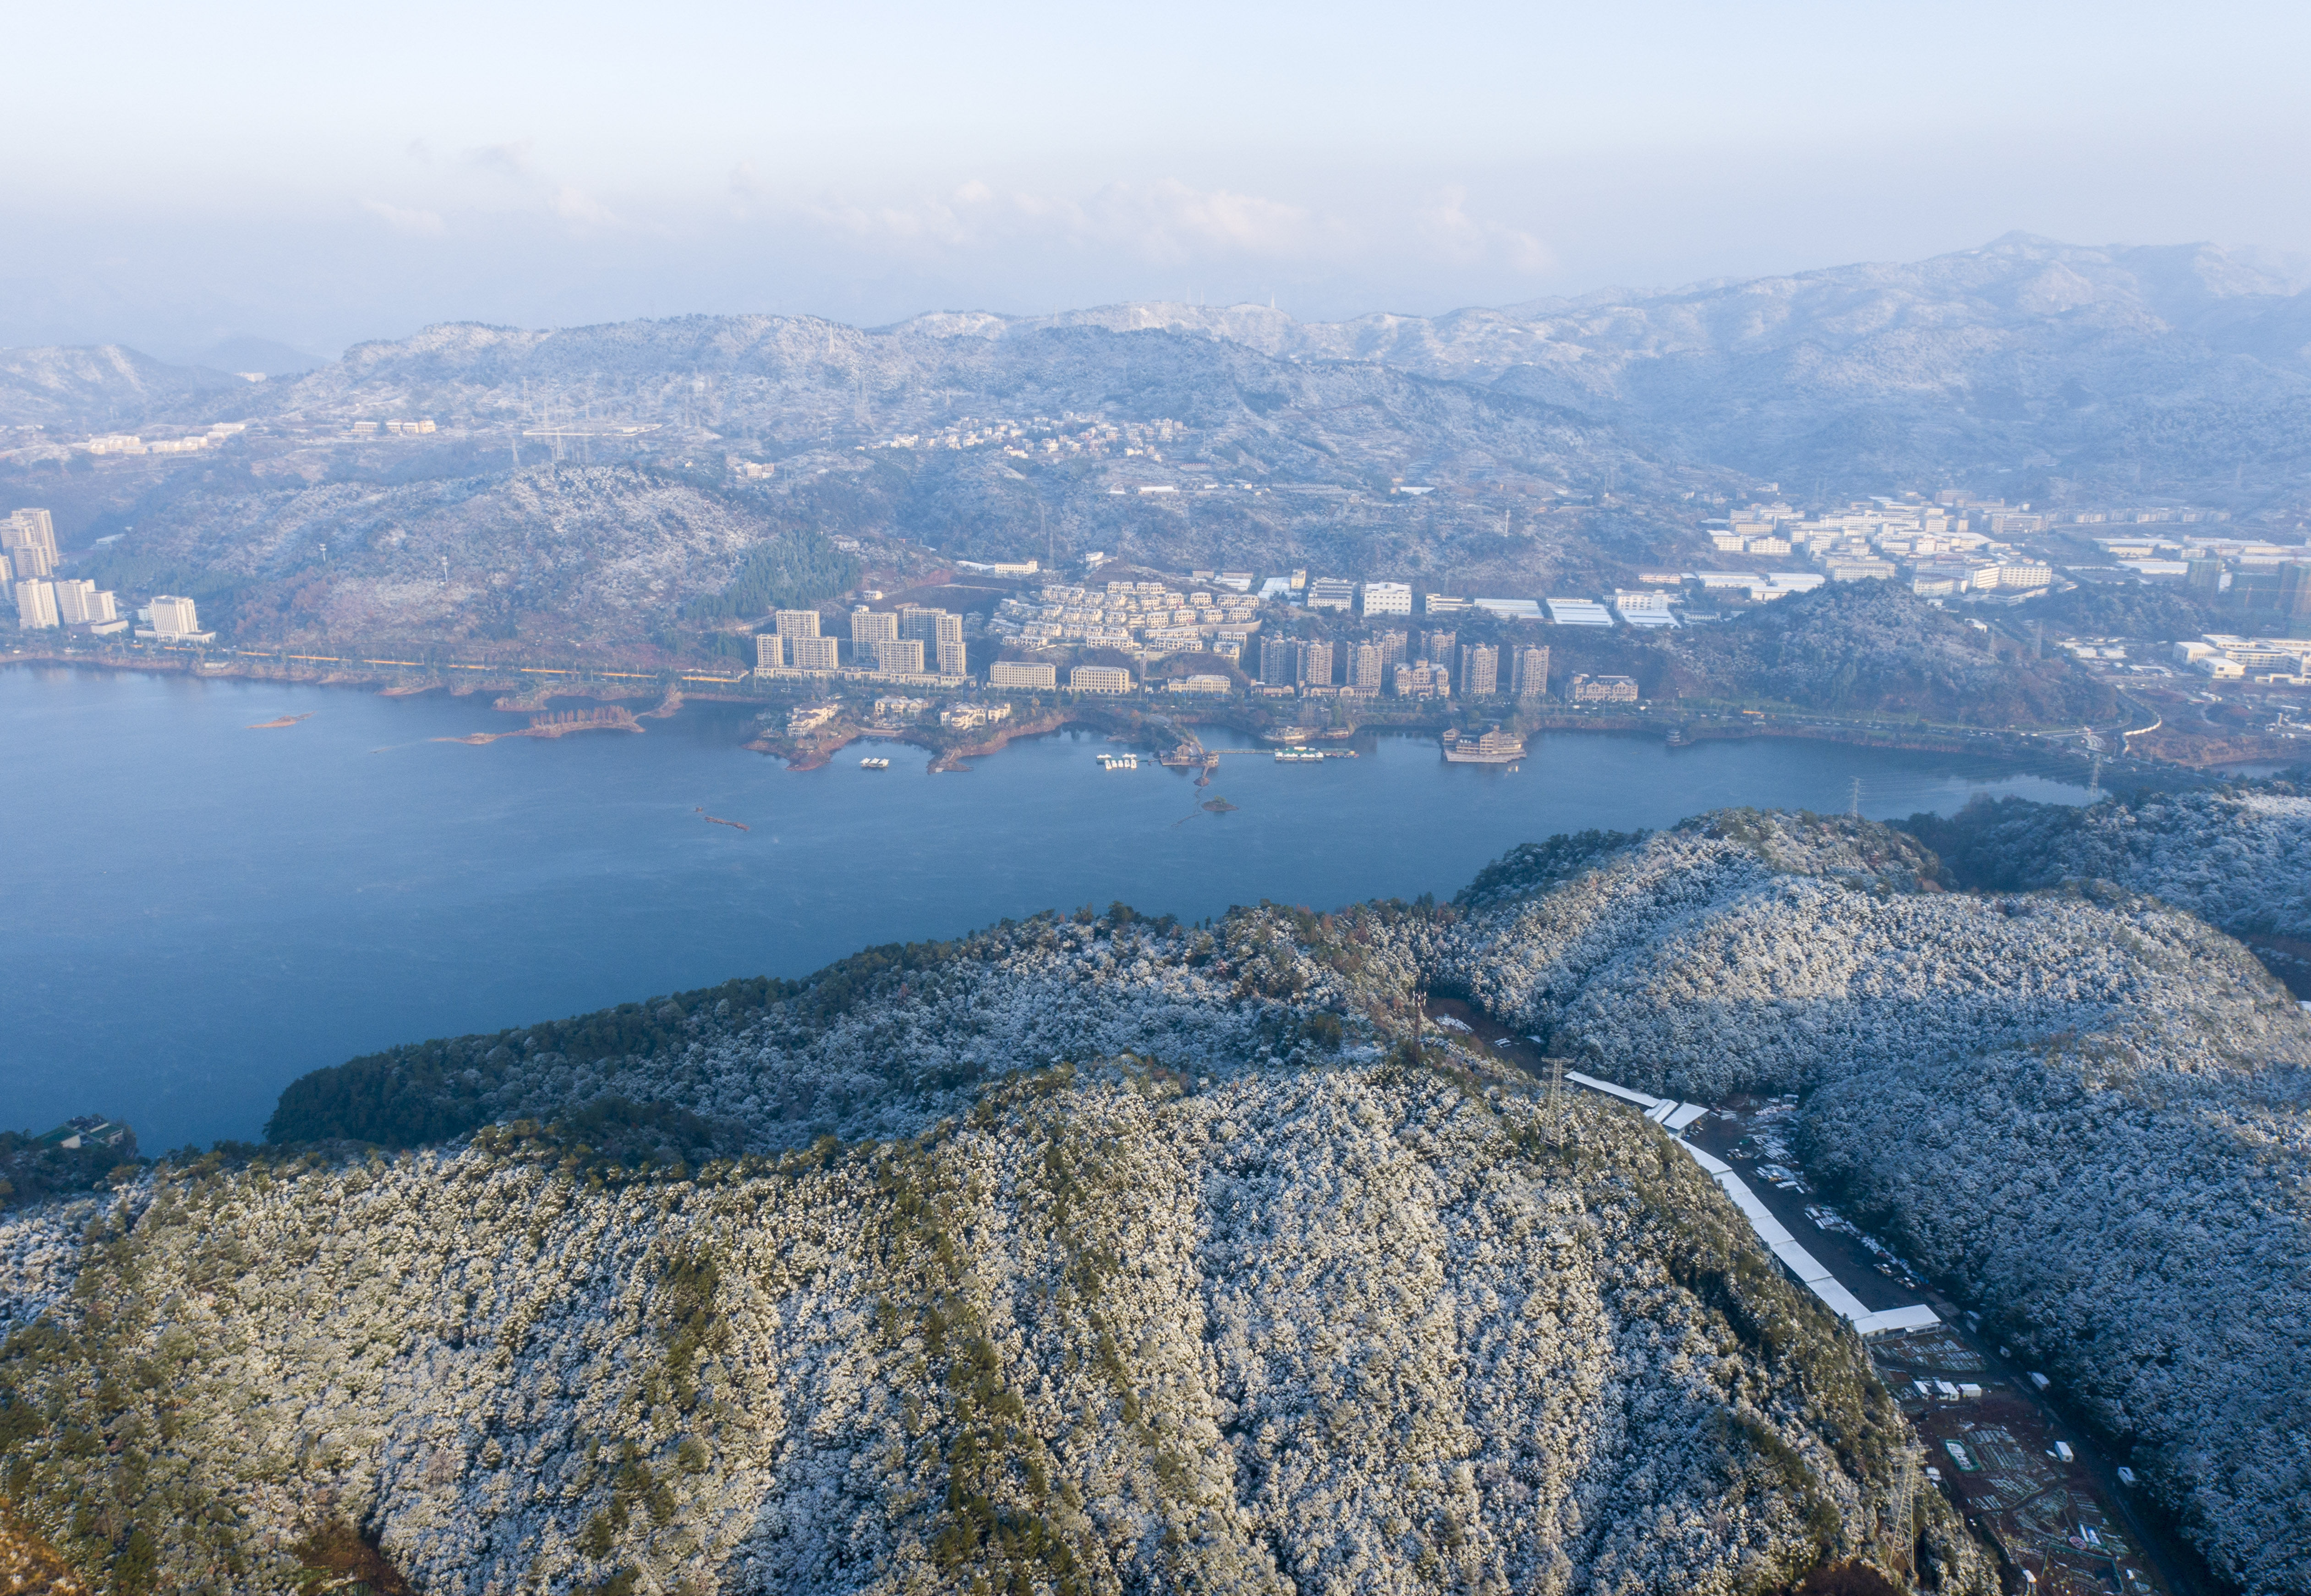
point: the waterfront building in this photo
(1481, 670)
(1423, 681)
(898, 656)
(893, 706)
(813, 653)
(1099, 678)
(36, 606)
(810, 717)
(1436, 647)
(173, 616)
(1022, 676)
(1589, 689)
(1495, 747)
(82, 603)
(796, 622)
(1528, 672)
(1387, 598)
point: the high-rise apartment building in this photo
(82, 603)
(940, 631)
(32, 562)
(898, 656)
(869, 627)
(1316, 665)
(2294, 587)
(813, 653)
(1365, 671)
(1437, 647)
(1279, 661)
(1530, 672)
(29, 528)
(36, 606)
(1392, 651)
(1481, 670)
(796, 622)
(770, 650)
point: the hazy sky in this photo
(175, 173)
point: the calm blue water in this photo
(195, 912)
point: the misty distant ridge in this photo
(2183, 369)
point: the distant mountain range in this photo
(2178, 369)
(1567, 443)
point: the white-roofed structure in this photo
(1803, 1267)
(1579, 612)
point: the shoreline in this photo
(1145, 724)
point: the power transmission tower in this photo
(1853, 800)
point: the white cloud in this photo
(1457, 237)
(423, 224)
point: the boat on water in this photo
(1495, 746)
(874, 763)
(1299, 756)
(1119, 762)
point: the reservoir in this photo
(207, 896)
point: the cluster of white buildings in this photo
(2228, 658)
(44, 600)
(1149, 619)
(131, 443)
(1953, 546)
(1043, 437)
(910, 644)
(1430, 664)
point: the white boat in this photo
(874, 763)
(1299, 756)
(1119, 762)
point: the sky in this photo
(319, 175)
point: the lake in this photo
(196, 911)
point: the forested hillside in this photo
(2090, 1113)
(1127, 1254)
(1351, 1329)
(2238, 857)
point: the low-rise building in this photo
(1579, 612)
(1331, 592)
(1589, 689)
(1423, 680)
(1387, 598)
(1021, 676)
(1099, 678)
(1210, 685)
(808, 718)
(893, 706)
